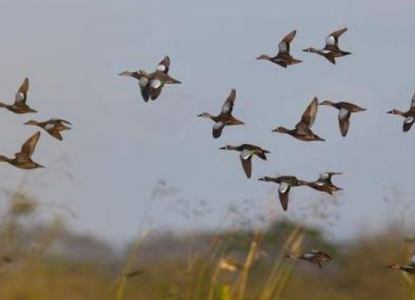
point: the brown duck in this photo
(247, 152)
(283, 57)
(409, 268)
(225, 117)
(285, 182)
(302, 130)
(316, 257)
(23, 158)
(52, 126)
(331, 50)
(345, 111)
(151, 84)
(409, 115)
(324, 184)
(19, 106)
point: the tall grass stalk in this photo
(130, 260)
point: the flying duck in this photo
(225, 117)
(23, 158)
(316, 257)
(151, 84)
(409, 268)
(408, 115)
(331, 50)
(19, 106)
(247, 152)
(302, 130)
(283, 57)
(345, 111)
(52, 126)
(324, 184)
(285, 182)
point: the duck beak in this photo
(223, 148)
(261, 179)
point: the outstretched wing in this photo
(229, 102)
(332, 40)
(21, 95)
(283, 192)
(344, 120)
(29, 146)
(246, 160)
(407, 123)
(164, 65)
(284, 45)
(309, 114)
(155, 87)
(217, 129)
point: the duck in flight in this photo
(19, 106)
(331, 50)
(409, 268)
(316, 257)
(283, 57)
(151, 84)
(23, 159)
(52, 126)
(345, 111)
(302, 130)
(409, 115)
(324, 183)
(225, 117)
(247, 152)
(286, 183)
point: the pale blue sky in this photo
(120, 146)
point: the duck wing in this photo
(283, 192)
(332, 40)
(309, 115)
(407, 123)
(344, 120)
(164, 65)
(229, 102)
(217, 129)
(21, 95)
(29, 146)
(155, 87)
(246, 160)
(284, 45)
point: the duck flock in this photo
(151, 85)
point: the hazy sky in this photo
(120, 146)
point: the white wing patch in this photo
(19, 97)
(161, 68)
(283, 188)
(143, 81)
(155, 83)
(409, 120)
(324, 176)
(49, 126)
(343, 113)
(283, 47)
(218, 125)
(309, 255)
(330, 40)
(245, 154)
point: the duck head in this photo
(327, 102)
(263, 57)
(227, 147)
(310, 49)
(281, 130)
(393, 266)
(395, 112)
(31, 122)
(205, 115)
(266, 178)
